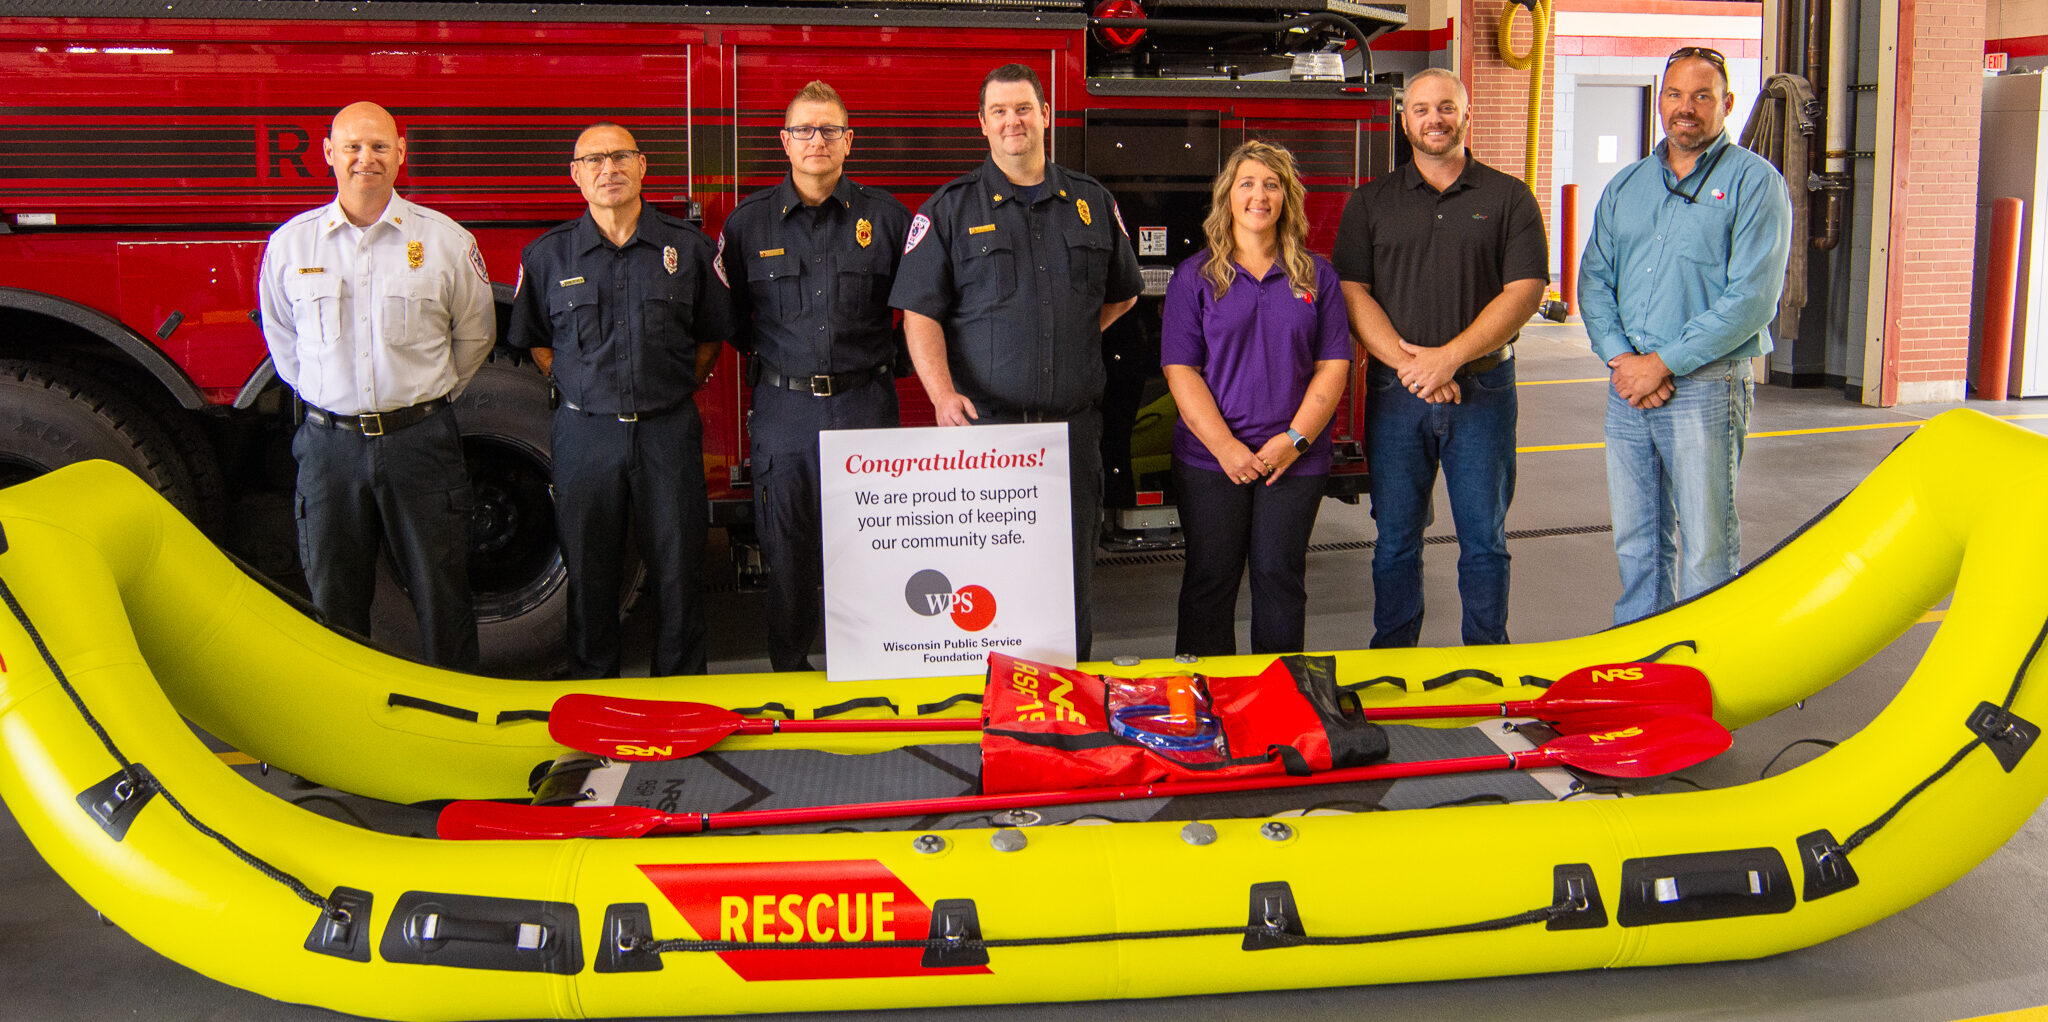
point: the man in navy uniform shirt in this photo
(810, 262)
(623, 307)
(1008, 278)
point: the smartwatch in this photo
(1300, 442)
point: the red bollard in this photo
(1568, 247)
(1994, 351)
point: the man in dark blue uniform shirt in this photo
(1009, 276)
(810, 262)
(624, 308)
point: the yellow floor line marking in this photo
(1905, 424)
(1932, 616)
(233, 758)
(2022, 1015)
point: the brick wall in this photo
(1500, 95)
(1934, 198)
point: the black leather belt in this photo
(1491, 360)
(621, 416)
(823, 384)
(375, 423)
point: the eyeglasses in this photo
(829, 132)
(1706, 53)
(596, 161)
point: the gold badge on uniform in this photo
(1081, 207)
(415, 254)
(863, 232)
(668, 258)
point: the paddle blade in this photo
(1647, 748)
(1624, 693)
(492, 821)
(638, 729)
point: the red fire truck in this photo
(150, 148)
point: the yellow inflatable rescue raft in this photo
(121, 623)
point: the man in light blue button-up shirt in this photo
(1680, 279)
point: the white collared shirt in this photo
(376, 318)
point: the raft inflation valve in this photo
(1274, 830)
(2004, 733)
(1008, 839)
(929, 844)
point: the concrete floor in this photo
(1967, 951)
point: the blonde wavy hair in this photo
(1292, 228)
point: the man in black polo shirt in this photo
(1442, 261)
(624, 308)
(1008, 278)
(810, 262)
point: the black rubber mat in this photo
(783, 779)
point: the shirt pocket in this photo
(667, 314)
(861, 293)
(775, 283)
(1701, 234)
(316, 307)
(988, 273)
(415, 318)
(1088, 255)
(576, 317)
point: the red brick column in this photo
(1500, 95)
(1939, 99)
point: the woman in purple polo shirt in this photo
(1256, 350)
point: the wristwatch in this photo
(1300, 442)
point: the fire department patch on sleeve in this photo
(476, 262)
(718, 263)
(519, 283)
(1119, 215)
(668, 259)
(918, 227)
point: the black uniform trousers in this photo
(1084, 468)
(783, 437)
(1227, 523)
(408, 489)
(646, 476)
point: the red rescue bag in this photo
(1047, 728)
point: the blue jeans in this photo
(1474, 442)
(1671, 487)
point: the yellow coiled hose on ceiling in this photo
(1532, 62)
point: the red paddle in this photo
(1588, 699)
(1646, 749)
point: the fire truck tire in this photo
(184, 428)
(52, 416)
(515, 567)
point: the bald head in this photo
(365, 150)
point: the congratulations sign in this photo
(943, 544)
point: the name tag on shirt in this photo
(770, 253)
(983, 229)
(571, 282)
(312, 269)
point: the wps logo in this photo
(930, 594)
(790, 904)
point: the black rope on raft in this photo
(304, 893)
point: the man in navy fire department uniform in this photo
(624, 308)
(810, 262)
(1009, 276)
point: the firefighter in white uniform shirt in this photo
(377, 312)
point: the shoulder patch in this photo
(1118, 214)
(476, 262)
(718, 263)
(918, 226)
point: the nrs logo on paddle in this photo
(930, 594)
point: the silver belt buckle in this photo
(821, 385)
(371, 423)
